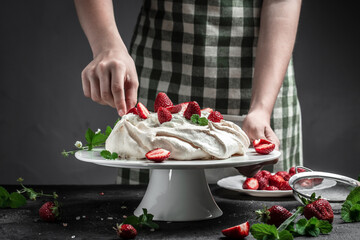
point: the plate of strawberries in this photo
(262, 184)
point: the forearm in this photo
(278, 26)
(98, 22)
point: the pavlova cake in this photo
(178, 132)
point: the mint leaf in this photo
(108, 131)
(300, 226)
(311, 227)
(354, 195)
(285, 235)
(324, 226)
(355, 213)
(203, 121)
(89, 135)
(17, 200)
(345, 211)
(114, 156)
(195, 118)
(133, 220)
(98, 139)
(261, 231)
(4, 198)
(108, 155)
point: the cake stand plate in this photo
(178, 190)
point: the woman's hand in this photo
(111, 79)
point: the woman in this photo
(202, 51)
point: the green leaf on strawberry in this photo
(350, 210)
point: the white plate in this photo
(250, 158)
(235, 183)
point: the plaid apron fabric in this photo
(204, 51)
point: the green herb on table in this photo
(108, 155)
(262, 231)
(202, 121)
(312, 227)
(350, 210)
(144, 219)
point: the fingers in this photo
(117, 87)
(105, 85)
(271, 136)
(131, 88)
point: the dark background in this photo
(43, 111)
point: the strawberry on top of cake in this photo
(185, 130)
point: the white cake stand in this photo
(178, 190)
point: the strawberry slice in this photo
(174, 109)
(251, 183)
(192, 108)
(157, 155)
(162, 100)
(239, 231)
(164, 115)
(184, 105)
(209, 110)
(263, 146)
(215, 116)
(142, 110)
(133, 110)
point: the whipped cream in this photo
(133, 137)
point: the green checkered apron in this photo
(204, 51)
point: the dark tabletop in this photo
(87, 214)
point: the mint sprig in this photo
(108, 155)
(262, 231)
(350, 210)
(312, 227)
(144, 219)
(202, 121)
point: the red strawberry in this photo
(157, 155)
(285, 186)
(133, 110)
(184, 105)
(264, 148)
(271, 188)
(162, 100)
(237, 232)
(209, 110)
(276, 180)
(285, 175)
(126, 231)
(192, 108)
(251, 183)
(49, 211)
(320, 208)
(164, 115)
(263, 183)
(142, 110)
(260, 141)
(215, 116)
(263, 173)
(174, 109)
(275, 215)
(292, 170)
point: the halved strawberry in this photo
(157, 155)
(276, 180)
(184, 105)
(251, 183)
(285, 186)
(257, 142)
(215, 116)
(175, 108)
(142, 110)
(285, 175)
(133, 110)
(164, 115)
(264, 148)
(192, 108)
(239, 231)
(162, 100)
(209, 110)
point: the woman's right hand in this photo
(111, 79)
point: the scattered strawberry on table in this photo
(126, 231)
(49, 211)
(237, 232)
(275, 215)
(319, 208)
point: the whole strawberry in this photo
(275, 215)
(162, 100)
(321, 209)
(164, 115)
(126, 231)
(192, 108)
(49, 211)
(292, 170)
(263, 179)
(276, 180)
(285, 175)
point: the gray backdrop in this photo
(43, 111)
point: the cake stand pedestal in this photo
(178, 190)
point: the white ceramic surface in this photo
(235, 183)
(178, 190)
(250, 158)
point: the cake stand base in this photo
(179, 195)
